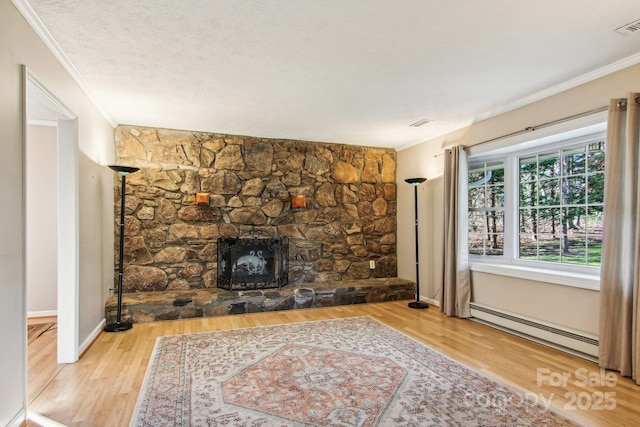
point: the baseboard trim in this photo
(560, 337)
(42, 313)
(42, 420)
(18, 420)
(431, 301)
(91, 338)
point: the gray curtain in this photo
(620, 269)
(456, 286)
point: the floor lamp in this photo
(119, 325)
(415, 182)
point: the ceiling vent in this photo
(629, 28)
(420, 123)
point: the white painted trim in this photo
(538, 96)
(68, 243)
(92, 336)
(559, 88)
(43, 421)
(574, 280)
(68, 222)
(44, 313)
(19, 419)
(570, 340)
(45, 35)
(586, 126)
(431, 301)
(44, 93)
(39, 122)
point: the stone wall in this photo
(170, 241)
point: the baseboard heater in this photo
(575, 342)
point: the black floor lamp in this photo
(119, 325)
(415, 182)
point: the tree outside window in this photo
(486, 208)
(561, 196)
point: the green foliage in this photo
(561, 195)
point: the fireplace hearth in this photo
(252, 263)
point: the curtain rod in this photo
(540, 126)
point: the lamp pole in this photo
(415, 182)
(119, 325)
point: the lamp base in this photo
(418, 304)
(118, 327)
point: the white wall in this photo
(564, 306)
(19, 44)
(41, 220)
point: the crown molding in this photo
(538, 96)
(569, 84)
(45, 35)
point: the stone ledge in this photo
(143, 307)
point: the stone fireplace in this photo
(253, 263)
(172, 251)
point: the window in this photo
(538, 203)
(560, 204)
(486, 208)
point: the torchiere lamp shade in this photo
(124, 170)
(415, 181)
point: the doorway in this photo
(43, 109)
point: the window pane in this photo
(476, 197)
(574, 161)
(549, 194)
(548, 247)
(528, 169)
(495, 173)
(495, 196)
(529, 221)
(574, 245)
(594, 220)
(575, 190)
(576, 221)
(549, 164)
(494, 244)
(476, 174)
(594, 250)
(529, 194)
(477, 222)
(576, 253)
(595, 192)
(550, 221)
(528, 246)
(476, 243)
(495, 222)
(595, 157)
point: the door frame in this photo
(68, 213)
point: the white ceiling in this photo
(348, 71)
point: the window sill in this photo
(575, 280)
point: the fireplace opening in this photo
(252, 263)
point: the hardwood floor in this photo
(101, 389)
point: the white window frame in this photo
(502, 208)
(509, 150)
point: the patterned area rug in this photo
(345, 372)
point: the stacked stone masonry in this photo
(141, 307)
(171, 242)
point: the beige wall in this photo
(561, 305)
(42, 221)
(20, 45)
